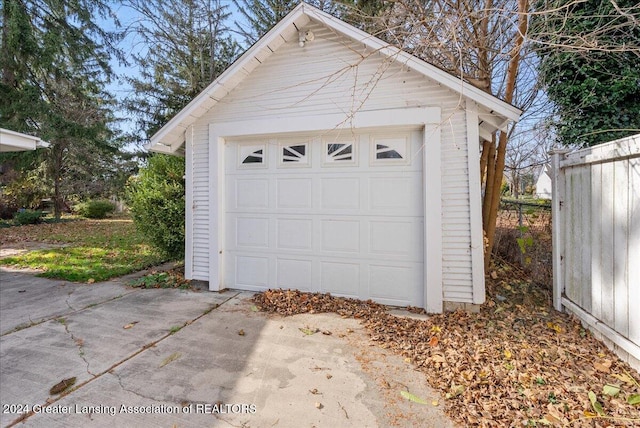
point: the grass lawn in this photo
(91, 250)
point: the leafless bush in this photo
(523, 238)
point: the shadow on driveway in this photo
(167, 357)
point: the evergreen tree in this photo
(54, 65)
(590, 68)
(261, 16)
(187, 46)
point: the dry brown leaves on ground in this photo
(65, 232)
(516, 363)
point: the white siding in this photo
(333, 75)
(200, 208)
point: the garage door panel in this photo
(391, 282)
(294, 193)
(393, 196)
(392, 238)
(252, 271)
(340, 236)
(340, 278)
(252, 232)
(249, 193)
(294, 273)
(295, 234)
(340, 193)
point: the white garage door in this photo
(338, 214)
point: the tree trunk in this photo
(56, 173)
(494, 176)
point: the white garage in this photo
(326, 160)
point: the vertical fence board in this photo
(595, 236)
(584, 251)
(605, 245)
(621, 249)
(571, 232)
(633, 246)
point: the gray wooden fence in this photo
(596, 241)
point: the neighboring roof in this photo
(11, 141)
(171, 136)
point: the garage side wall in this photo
(332, 75)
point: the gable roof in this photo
(496, 113)
(11, 141)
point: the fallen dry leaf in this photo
(61, 386)
(309, 331)
(131, 324)
(603, 367)
(170, 358)
(411, 397)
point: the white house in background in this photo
(326, 160)
(543, 184)
(11, 141)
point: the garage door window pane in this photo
(339, 153)
(252, 155)
(294, 154)
(389, 150)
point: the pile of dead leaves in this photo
(516, 363)
(292, 302)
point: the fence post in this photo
(558, 224)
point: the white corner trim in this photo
(220, 225)
(215, 193)
(188, 232)
(432, 185)
(475, 205)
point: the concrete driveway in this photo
(175, 358)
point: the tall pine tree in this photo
(54, 66)
(186, 46)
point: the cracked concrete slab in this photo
(26, 299)
(193, 359)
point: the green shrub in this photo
(95, 209)
(28, 217)
(156, 200)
